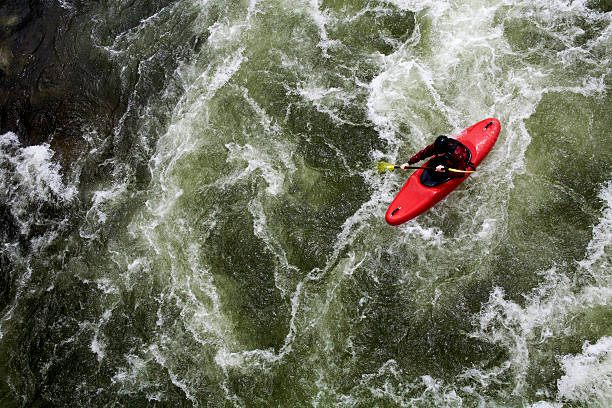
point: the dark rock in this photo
(41, 79)
(13, 16)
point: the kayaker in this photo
(449, 153)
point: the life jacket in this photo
(462, 159)
(459, 160)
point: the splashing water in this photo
(224, 243)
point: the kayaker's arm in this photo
(423, 154)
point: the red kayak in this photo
(415, 198)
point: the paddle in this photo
(382, 167)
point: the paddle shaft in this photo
(412, 167)
(395, 166)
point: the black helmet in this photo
(441, 144)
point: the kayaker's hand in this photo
(404, 166)
(441, 168)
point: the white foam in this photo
(102, 197)
(520, 329)
(588, 376)
(229, 68)
(488, 228)
(97, 344)
(98, 348)
(136, 368)
(545, 404)
(406, 83)
(225, 33)
(65, 5)
(28, 175)
(432, 8)
(325, 100)
(268, 123)
(257, 160)
(598, 249)
(22, 287)
(182, 385)
(35, 171)
(321, 19)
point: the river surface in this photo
(191, 214)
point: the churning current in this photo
(191, 214)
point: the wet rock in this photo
(44, 95)
(13, 16)
(58, 80)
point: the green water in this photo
(224, 243)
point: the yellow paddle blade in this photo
(382, 167)
(461, 171)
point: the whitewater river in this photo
(211, 233)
